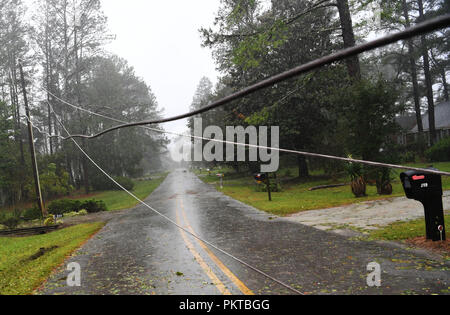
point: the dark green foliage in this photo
(354, 170)
(59, 207)
(127, 183)
(32, 214)
(94, 206)
(64, 206)
(440, 152)
(10, 220)
(383, 181)
(274, 187)
(103, 183)
(367, 110)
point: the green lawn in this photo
(119, 200)
(20, 274)
(296, 197)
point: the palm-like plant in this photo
(356, 173)
(384, 186)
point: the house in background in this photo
(410, 131)
(406, 123)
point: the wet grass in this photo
(120, 200)
(403, 230)
(296, 197)
(114, 199)
(25, 263)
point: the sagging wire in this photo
(308, 154)
(94, 113)
(419, 29)
(38, 129)
(169, 219)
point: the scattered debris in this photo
(327, 186)
(422, 242)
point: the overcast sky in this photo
(160, 39)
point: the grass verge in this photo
(24, 266)
(400, 231)
(120, 200)
(296, 197)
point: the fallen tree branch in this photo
(327, 186)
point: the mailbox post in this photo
(264, 177)
(221, 176)
(427, 188)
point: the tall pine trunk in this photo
(353, 66)
(428, 80)
(413, 68)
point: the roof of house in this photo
(442, 114)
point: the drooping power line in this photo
(169, 219)
(315, 155)
(419, 29)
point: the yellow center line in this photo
(216, 281)
(241, 286)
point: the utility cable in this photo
(169, 219)
(308, 154)
(419, 29)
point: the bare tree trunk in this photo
(354, 68)
(413, 72)
(48, 83)
(78, 90)
(444, 83)
(303, 171)
(428, 80)
(16, 104)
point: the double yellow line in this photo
(206, 268)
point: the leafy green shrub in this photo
(10, 220)
(288, 173)
(127, 183)
(94, 206)
(274, 187)
(440, 152)
(54, 183)
(49, 221)
(354, 170)
(408, 157)
(32, 214)
(102, 183)
(64, 206)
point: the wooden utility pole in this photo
(32, 149)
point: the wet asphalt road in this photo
(140, 252)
